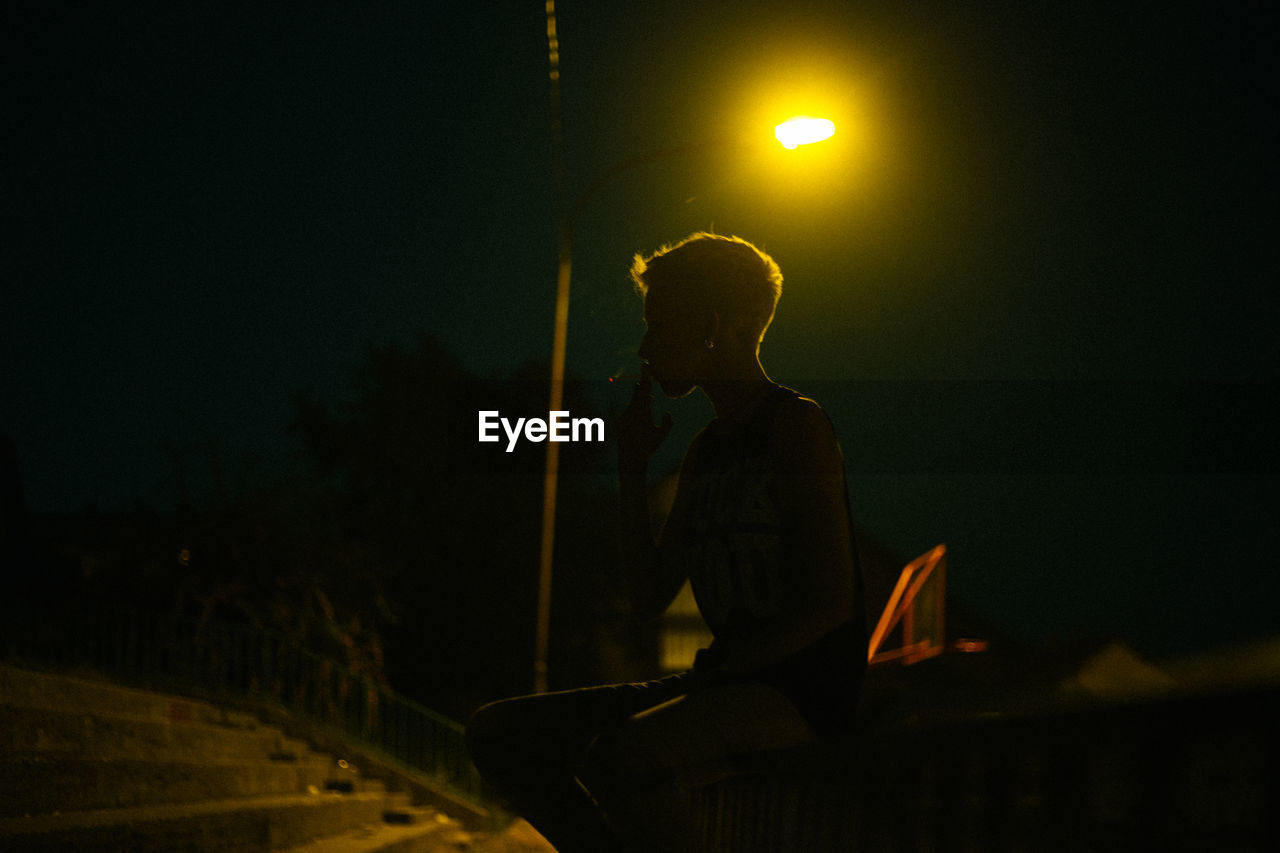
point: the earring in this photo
(708, 343)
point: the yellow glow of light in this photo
(803, 130)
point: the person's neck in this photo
(735, 391)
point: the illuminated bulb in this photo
(803, 130)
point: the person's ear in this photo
(713, 328)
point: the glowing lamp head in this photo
(803, 130)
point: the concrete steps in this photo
(59, 730)
(424, 831)
(93, 783)
(86, 765)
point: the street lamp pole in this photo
(551, 477)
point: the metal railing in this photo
(263, 667)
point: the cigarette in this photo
(625, 377)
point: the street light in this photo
(803, 130)
(800, 130)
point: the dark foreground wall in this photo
(1187, 773)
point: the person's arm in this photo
(820, 572)
(653, 576)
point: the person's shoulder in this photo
(802, 427)
(796, 411)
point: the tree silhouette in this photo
(400, 546)
(445, 529)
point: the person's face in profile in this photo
(674, 344)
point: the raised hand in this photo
(638, 435)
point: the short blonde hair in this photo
(726, 274)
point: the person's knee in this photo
(489, 735)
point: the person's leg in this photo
(531, 749)
(643, 770)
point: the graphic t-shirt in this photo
(736, 542)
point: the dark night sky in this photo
(1027, 277)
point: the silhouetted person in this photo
(760, 527)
